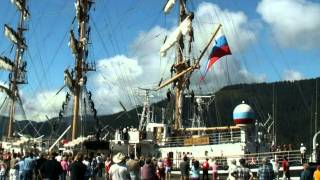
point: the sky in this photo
(270, 40)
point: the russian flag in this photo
(220, 49)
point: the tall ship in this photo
(174, 140)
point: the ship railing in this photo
(253, 160)
(213, 138)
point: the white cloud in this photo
(294, 22)
(234, 25)
(44, 103)
(291, 75)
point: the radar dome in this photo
(243, 114)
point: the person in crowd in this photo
(77, 168)
(242, 172)
(133, 167)
(107, 165)
(93, 166)
(306, 174)
(89, 171)
(39, 163)
(20, 165)
(29, 164)
(303, 150)
(275, 167)
(184, 169)
(214, 168)
(119, 171)
(148, 171)
(205, 169)
(316, 174)
(99, 166)
(168, 166)
(65, 167)
(195, 170)
(231, 169)
(161, 170)
(3, 169)
(51, 168)
(265, 171)
(14, 171)
(286, 168)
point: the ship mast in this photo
(180, 66)
(17, 67)
(79, 49)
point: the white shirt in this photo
(303, 149)
(119, 172)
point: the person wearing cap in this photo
(242, 172)
(232, 168)
(306, 174)
(119, 171)
(316, 174)
(265, 171)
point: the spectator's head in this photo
(196, 164)
(285, 157)
(131, 156)
(148, 161)
(305, 166)
(79, 157)
(242, 161)
(185, 158)
(318, 167)
(265, 160)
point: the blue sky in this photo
(271, 40)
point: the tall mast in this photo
(18, 67)
(180, 66)
(79, 48)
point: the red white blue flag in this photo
(220, 49)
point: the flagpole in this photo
(205, 49)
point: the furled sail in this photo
(184, 28)
(6, 90)
(169, 5)
(73, 43)
(6, 63)
(68, 80)
(19, 5)
(13, 36)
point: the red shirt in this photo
(285, 165)
(205, 165)
(168, 162)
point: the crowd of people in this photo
(55, 166)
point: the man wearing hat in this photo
(119, 171)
